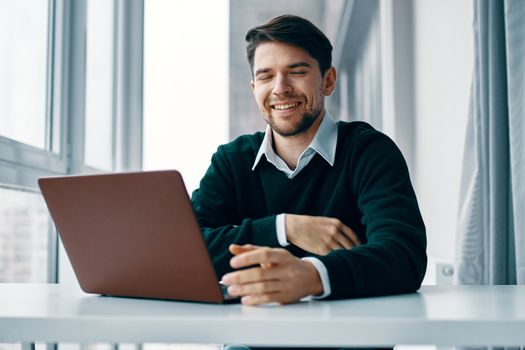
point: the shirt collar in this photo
(324, 143)
(325, 139)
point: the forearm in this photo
(260, 232)
(388, 267)
(393, 259)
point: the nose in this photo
(282, 86)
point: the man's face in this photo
(288, 87)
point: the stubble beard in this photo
(300, 127)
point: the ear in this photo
(252, 84)
(329, 81)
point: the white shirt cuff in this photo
(280, 227)
(323, 273)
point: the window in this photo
(64, 109)
(24, 244)
(70, 102)
(99, 84)
(27, 241)
(23, 62)
(185, 85)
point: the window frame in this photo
(21, 165)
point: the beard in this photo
(299, 127)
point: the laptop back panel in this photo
(132, 234)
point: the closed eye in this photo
(301, 72)
(264, 77)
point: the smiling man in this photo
(311, 207)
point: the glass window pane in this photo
(99, 84)
(24, 237)
(174, 108)
(23, 61)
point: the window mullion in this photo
(49, 76)
(129, 89)
(73, 78)
(115, 127)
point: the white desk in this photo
(436, 315)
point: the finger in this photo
(350, 234)
(259, 256)
(252, 275)
(257, 288)
(267, 265)
(236, 249)
(259, 299)
(343, 241)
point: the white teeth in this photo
(287, 106)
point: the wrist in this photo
(316, 284)
(288, 226)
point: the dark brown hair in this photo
(295, 31)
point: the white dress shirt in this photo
(324, 143)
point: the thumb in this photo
(237, 249)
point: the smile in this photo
(285, 106)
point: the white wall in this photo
(443, 69)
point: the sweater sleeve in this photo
(216, 205)
(393, 260)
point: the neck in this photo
(289, 148)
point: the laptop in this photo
(133, 235)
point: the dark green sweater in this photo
(368, 189)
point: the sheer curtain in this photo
(491, 237)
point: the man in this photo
(310, 208)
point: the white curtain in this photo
(491, 237)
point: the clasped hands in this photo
(274, 274)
